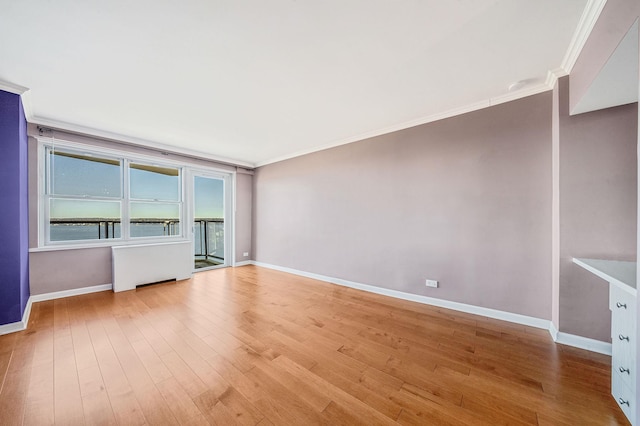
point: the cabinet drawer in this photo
(623, 351)
(624, 367)
(623, 333)
(621, 302)
(623, 396)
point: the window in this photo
(90, 196)
(155, 200)
(84, 196)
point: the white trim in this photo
(229, 196)
(456, 306)
(108, 244)
(390, 129)
(587, 21)
(496, 100)
(120, 138)
(231, 210)
(26, 105)
(585, 25)
(229, 193)
(186, 167)
(523, 93)
(72, 292)
(117, 137)
(115, 153)
(23, 92)
(558, 337)
(553, 331)
(20, 325)
(13, 88)
(244, 263)
(554, 75)
(584, 343)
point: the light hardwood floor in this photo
(254, 346)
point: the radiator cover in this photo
(149, 263)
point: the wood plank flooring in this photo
(252, 346)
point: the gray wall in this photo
(598, 208)
(244, 188)
(52, 271)
(466, 201)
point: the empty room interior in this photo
(292, 213)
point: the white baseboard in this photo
(243, 263)
(579, 341)
(72, 292)
(558, 337)
(584, 343)
(456, 306)
(20, 325)
(553, 330)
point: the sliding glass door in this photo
(210, 229)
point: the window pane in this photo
(84, 175)
(154, 219)
(154, 183)
(73, 220)
(216, 241)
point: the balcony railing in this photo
(208, 235)
(106, 228)
(209, 241)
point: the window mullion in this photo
(125, 227)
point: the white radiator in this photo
(150, 263)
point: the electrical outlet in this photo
(245, 254)
(432, 283)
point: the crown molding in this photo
(522, 93)
(120, 138)
(585, 26)
(382, 131)
(554, 75)
(587, 21)
(25, 96)
(12, 88)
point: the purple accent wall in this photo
(14, 226)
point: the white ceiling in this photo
(258, 81)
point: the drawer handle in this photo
(624, 370)
(621, 305)
(622, 402)
(621, 337)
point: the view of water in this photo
(89, 231)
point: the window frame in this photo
(125, 158)
(130, 200)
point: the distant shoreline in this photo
(77, 221)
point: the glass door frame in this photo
(228, 191)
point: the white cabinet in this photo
(623, 350)
(622, 303)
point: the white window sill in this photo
(80, 246)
